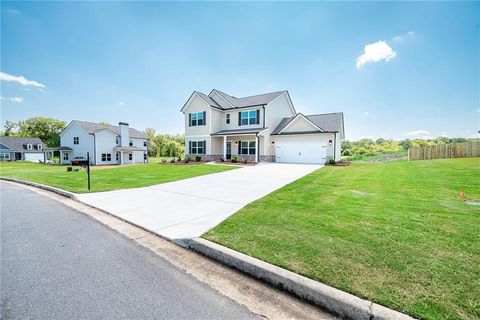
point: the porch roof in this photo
(129, 149)
(57, 149)
(238, 132)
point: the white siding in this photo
(197, 105)
(105, 142)
(274, 113)
(79, 150)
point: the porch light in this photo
(273, 142)
(236, 142)
(330, 142)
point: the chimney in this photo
(124, 134)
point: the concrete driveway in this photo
(187, 208)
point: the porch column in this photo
(257, 148)
(121, 157)
(225, 148)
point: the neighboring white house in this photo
(21, 148)
(105, 144)
(263, 127)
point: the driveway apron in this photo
(187, 208)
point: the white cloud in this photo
(17, 99)
(416, 133)
(121, 103)
(409, 34)
(375, 52)
(366, 113)
(20, 79)
(1, 98)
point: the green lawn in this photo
(409, 243)
(104, 179)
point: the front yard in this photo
(395, 233)
(105, 178)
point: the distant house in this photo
(21, 148)
(105, 144)
(264, 127)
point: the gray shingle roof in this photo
(91, 127)
(330, 122)
(209, 100)
(256, 100)
(19, 143)
(238, 131)
(250, 101)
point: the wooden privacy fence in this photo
(468, 149)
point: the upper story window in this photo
(227, 118)
(145, 143)
(39, 147)
(29, 146)
(76, 140)
(248, 117)
(130, 143)
(197, 119)
(117, 141)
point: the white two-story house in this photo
(104, 144)
(263, 127)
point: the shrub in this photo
(234, 159)
(346, 152)
(179, 158)
(198, 158)
(187, 159)
(331, 162)
(172, 160)
(163, 160)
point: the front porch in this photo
(246, 146)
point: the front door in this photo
(229, 150)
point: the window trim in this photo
(29, 146)
(2, 155)
(251, 145)
(65, 156)
(227, 118)
(106, 157)
(130, 157)
(196, 116)
(250, 120)
(76, 140)
(197, 148)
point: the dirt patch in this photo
(248, 164)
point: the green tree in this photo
(47, 129)
(9, 127)
(105, 123)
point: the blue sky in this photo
(139, 62)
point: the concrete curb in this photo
(336, 301)
(61, 192)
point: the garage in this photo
(298, 150)
(34, 156)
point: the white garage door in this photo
(298, 151)
(35, 157)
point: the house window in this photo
(106, 157)
(29, 146)
(145, 157)
(117, 140)
(130, 143)
(65, 156)
(197, 119)
(227, 118)
(248, 117)
(4, 155)
(145, 144)
(130, 156)
(116, 156)
(76, 140)
(247, 147)
(39, 146)
(197, 147)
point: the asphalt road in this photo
(57, 263)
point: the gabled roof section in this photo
(208, 100)
(327, 122)
(92, 128)
(301, 117)
(250, 101)
(19, 143)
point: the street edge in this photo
(61, 192)
(334, 300)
